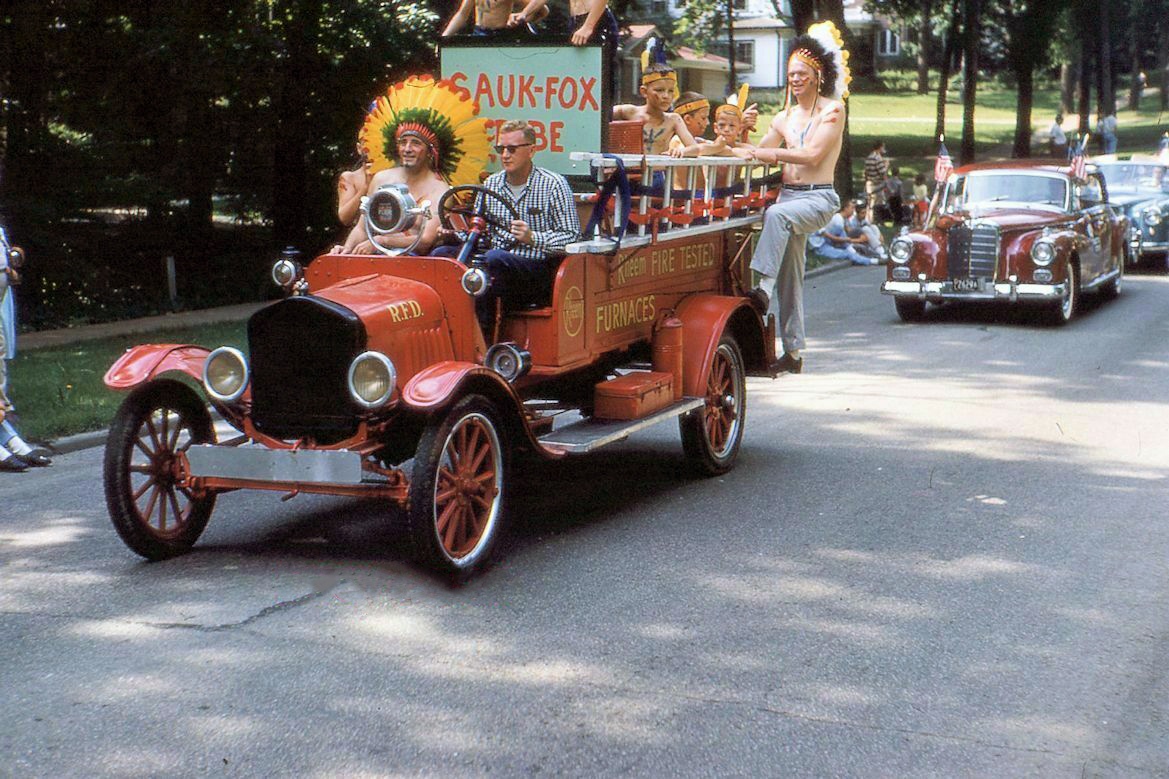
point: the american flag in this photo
(944, 164)
(1077, 155)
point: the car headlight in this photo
(372, 378)
(225, 374)
(901, 249)
(475, 282)
(286, 272)
(1042, 252)
(16, 257)
(1151, 216)
(508, 360)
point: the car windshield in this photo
(1135, 176)
(991, 189)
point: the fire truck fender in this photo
(440, 385)
(705, 318)
(148, 361)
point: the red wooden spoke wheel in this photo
(712, 434)
(457, 488)
(154, 514)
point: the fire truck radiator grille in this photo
(973, 253)
(300, 354)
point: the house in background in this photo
(762, 46)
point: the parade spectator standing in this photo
(1057, 138)
(895, 196)
(811, 130)
(1107, 130)
(876, 168)
(920, 200)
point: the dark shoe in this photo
(36, 458)
(14, 464)
(759, 300)
(788, 364)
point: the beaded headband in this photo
(422, 133)
(658, 75)
(808, 58)
(693, 105)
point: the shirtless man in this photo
(491, 16)
(351, 186)
(417, 154)
(806, 137)
(661, 125)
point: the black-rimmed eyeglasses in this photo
(510, 148)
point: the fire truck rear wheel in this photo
(155, 515)
(711, 435)
(455, 507)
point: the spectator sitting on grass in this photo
(834, 243)
(856, 226)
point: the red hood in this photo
(1022, 218)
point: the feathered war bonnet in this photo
(438, 113)
(822, 49)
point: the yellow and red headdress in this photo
(438, 113)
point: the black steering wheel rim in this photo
(446, 207)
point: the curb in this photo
(75, 443)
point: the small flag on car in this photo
(944, 164)
(1076, 152)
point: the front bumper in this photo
(1010, 290)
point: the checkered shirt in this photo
(545, 203)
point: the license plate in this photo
(966, 285)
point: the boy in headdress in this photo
(659, 87)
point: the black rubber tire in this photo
(153, 423)
(1064, 310)
(1111, 290)
(910, 310)
(474, 522)
(716, 419)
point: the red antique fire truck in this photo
(374, 378)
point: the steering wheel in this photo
(461, 205)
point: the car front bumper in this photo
(943, 290)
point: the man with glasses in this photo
(523, 258)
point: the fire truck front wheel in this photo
(711, 435)
(152, 511)
(458, 487)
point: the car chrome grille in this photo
(973, 252)
(301, 349)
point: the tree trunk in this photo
(1134, 53)
(973, 9)
(1106, 99)
(1087, 58)
(924, 39)
(948, 49)
(1067, 86)
(732, 76)
(803, 15)
(1163, 60)
(1025, 77)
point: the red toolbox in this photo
(633, 395)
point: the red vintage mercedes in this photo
(374, 378)
(1020, 231)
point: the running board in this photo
(589, 434)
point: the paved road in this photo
(943, 553)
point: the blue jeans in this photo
(846, 252)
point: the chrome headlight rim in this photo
(508, 360)
(208, 386)
(285, 268)
(475, 282)
(901, 250)
(391, 380)
(1043, 253)
(1151, 216)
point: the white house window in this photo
(889, 42)
(745, 53)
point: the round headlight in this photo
(225, 374)
(1042, 252)
(901, 249)
(508, 360)
(372, 378)
(475, 281)
(285, 272)
(1151, 216)
(16, 257)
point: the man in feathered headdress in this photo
(806, 138)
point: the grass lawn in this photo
(905, 121)
(58, 390)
